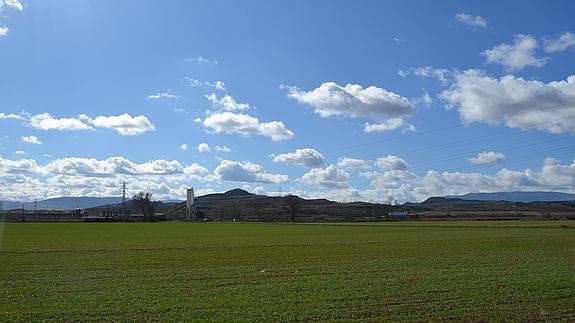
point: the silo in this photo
(190, 214)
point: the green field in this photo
(277, 272)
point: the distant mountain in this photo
(64, 203)
(524, 197)
(173, 201)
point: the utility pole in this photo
(124, 199)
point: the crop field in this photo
(506, 270)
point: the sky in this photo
(378, 101)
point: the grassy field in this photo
(277, 272)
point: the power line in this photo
(526, 157)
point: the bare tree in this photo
(144, 203)
(293, 204)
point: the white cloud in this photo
(198, 120)
(565, 41)
(223, 149)
(162, 95)
(203, 147)
(20, 152)
(227, 103)
(352, 100)
(14, 4)
(487, 157)
(231, 123)
(425, 99)
(390, 163)
(218, 85)
(11, 116)
(22, 166)
(45, 121)
(330, 177)
(307, 157)
(473, 21)
(441, 74)
(201, 60)
(516, 56)
(260, 190)
(514, 101)
(195, 169)
(352, 163)
(124, 124)
(184, 147)
(31, 140)
(75, 176)
(112, 166)
(247, 172)
(388, 125)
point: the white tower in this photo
(190, 209)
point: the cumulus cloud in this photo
(514, 101)
(46, 121)
(4, 31)
(260, 190)
(243, 124)
(403, 185)
(195, 169)
(14, 4)
(124, 124)
(222, 149)
(162, 95)
(388, 125)
(487, 157)
(112, 166)
(391, 162)
(330, 177)
(226, 102)
(75, 176)
(516, 56)
(563, 42)
(31, 140)
(473, 21)
(184, 147)
(22, 166)
(307, 157)
(353, 101)
(246, 172)
(203, 147)
(352, 163)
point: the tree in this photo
(293, 204)
(145, 204)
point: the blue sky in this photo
(348, 100)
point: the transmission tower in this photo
(124, 211)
